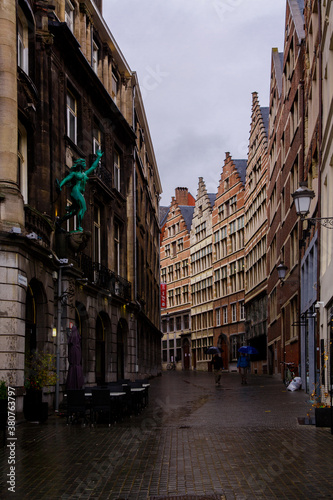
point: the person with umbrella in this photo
(243, 363)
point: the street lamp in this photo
(302, 198)
(282, 269)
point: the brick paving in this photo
(194, 441)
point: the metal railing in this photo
(104, 277)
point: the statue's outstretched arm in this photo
(99, 155)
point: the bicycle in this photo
(289, 372)
(171, 366)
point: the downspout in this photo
(320, 120)
(134, 236)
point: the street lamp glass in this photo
(302, 198)
(281, 269)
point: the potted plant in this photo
(40, 372)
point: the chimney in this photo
(181, 195)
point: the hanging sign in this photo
(163, 295)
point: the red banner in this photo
(163, 295)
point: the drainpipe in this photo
(134, 237)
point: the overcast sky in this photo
(198, 62)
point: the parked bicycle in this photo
(171, 366)
(289, 372)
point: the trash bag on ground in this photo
(295, 384)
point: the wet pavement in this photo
(193, 441)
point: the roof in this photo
(241, 168)
(187, 213)
(212, 198)
(163, 215)
(265, 118)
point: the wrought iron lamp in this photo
(302, 198)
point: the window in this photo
(170, 274)
(163, 275)
(167, 250)
(97, 234)
(116, 247)
(242, 310)
(177, 270)
(225, 314)
(72, 222)
(234, 312)
(174, 249)
(180, 245)
(97, 141)
(170, 300)
(114, 92)
(116, 170)
(22, 162)
(178, 296)
(22, 44)
(178, 323)
(71, 117)
(185, 268)
(185, 294)
(218, 317)
(94, 57)
(69, 14)
(186, 320)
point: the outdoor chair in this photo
(101, 405)
(77, 406)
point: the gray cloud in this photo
(198, 61)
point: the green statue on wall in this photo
(77, 179)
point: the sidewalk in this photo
(193, 441)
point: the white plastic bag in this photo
(295, 384)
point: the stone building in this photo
(67, 92)
(175, 276)
(256, 235)
(228, 260)
(201, 251)
(285, 150)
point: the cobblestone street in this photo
(194, 441)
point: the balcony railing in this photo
(104, 277)
(103, 175)
(38, 224)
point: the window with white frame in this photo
(233, 313)
(71, 117)
(115, 84)
(167, 250)
(218, 317)
(94, 56)
(242, 310)
(116, 170)
(22, 43)
(71, 223)
(163, 275)
(225, 314)
(22, 162)
(69, 14)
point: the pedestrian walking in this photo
(217, 368)
(243, 365)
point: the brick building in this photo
(256, 235)
(175, 273)
(228, 260)
(285, 149)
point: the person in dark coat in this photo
(217, 368)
